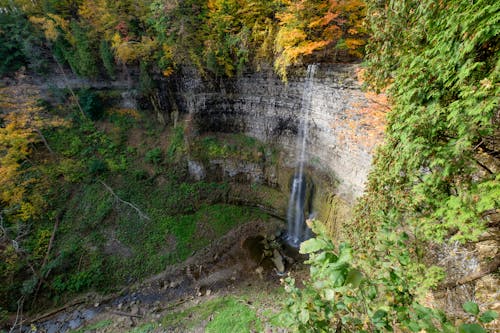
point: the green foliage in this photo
(443, 80)
(91, 104)
(83, 59)
(154, 156)
(11, 49)
(237, 146)
(107, 58)
(78, 281)
(176, 147)
(233, 316)
(341, 296)
(96, 326)
(97, 166)
(229, 313)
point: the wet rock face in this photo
(262, 106)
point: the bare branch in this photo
(69, 87)
(44, 141)
(134, 207)
(19, 314)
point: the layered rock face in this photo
(342, 132)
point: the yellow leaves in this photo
(125, 112)
(288, 38)
(306, 26)
(48, 27)
(130, 51)
(98, 15)
(353, 43)
(51, 25)
(23, 121)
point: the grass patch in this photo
(228, 313)
(235, 317)
(95, 326)
(146, 328)
(232, 146)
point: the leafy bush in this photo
(91, 104)
(177, 143)
(107, 58)
(343, 294)
(79, 281)
(97, 166)
(11, 36)
(154, 156)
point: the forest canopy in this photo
(217, 36)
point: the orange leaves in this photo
(365, 124)
(307, 26)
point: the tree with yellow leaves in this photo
(22, 124)
(307, 26)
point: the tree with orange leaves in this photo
(307, 26)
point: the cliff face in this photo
(342, 132)
(345, 123)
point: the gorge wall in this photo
(345, 123)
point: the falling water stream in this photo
(297, 228)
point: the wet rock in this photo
(196, 170)
(134, 310)
(75, 323)
(259, 270)
(278, 261)
(175, 283)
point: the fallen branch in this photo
(56, 311)
(44, 140)
(491, 268)
(134, 207)
(19, 315)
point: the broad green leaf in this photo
(414, 327)
(304, 316)
(488, 316)
(354, 277)
(329, 294)
(312, 245)
(471, 307)
(471, 328)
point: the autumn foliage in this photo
(217, 36)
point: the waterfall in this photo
(297, 228)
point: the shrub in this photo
(154, 156)
(97, 166)
(91, 104)
(107, 58)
